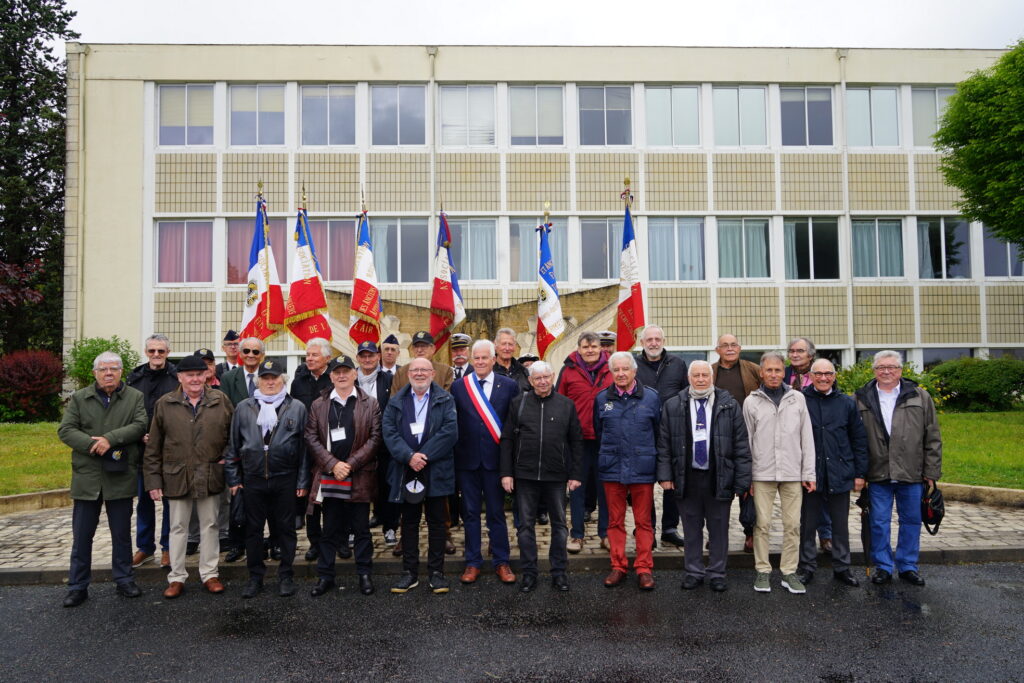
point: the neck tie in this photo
(458, 373)
(700, 448)
(252, 386)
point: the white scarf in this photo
(368, 383)
(704, 393)
(267, 419)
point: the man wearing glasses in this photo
(904, 453)
(230, 348)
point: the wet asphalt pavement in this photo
(966, 624)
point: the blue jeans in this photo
(577, 499)
(145, 522)
(908, 505)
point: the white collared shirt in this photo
(887, 403)
(707, 422)
(489, 379)
(339, 400)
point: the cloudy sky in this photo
(796, 23)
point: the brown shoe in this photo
(397, 550)
(173, 590)
(645, 581)
(213, 585)
(504, 573)
(470, 575)
(605, 545)
(615, 578)
(140, 558)
(826, 545)
(574, 546)
(748, 545)
(449, 547)
(165, 560)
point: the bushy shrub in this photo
(84, 352)
(31, 382)
(976, 385)
(852, 378)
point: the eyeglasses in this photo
(823, 374)
(888, 368)
(729, 346)
(798, 350)
(420, 371)
(251, 352)
(156, 352)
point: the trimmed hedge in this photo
(31, 383)
(977, 385)
(84, 352)
(852, 378)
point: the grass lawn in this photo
(32, 458)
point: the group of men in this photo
(233, 450)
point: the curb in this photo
(39, 500)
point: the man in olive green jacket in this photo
(103, 424)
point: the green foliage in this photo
(983, 449)
(982, 138)
(84, 352)
(976, 385)
(852, 378)
(32, 382)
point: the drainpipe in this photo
(431, 108)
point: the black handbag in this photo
(933, 509)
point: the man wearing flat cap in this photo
(230, 348)
(423, 347)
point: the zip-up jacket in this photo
(542, 440)
(575, 383)
(627, 432)
(914, 449)
(667, 375)
(248, 457)
(840, 442)
(781, 438)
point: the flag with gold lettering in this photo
(366, 307)
(305, 311)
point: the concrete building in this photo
(778, 192)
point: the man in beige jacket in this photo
(782, 451)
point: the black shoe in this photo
(528, 584)
(275, 553)
(75, 598)
(560, 582)
(300, 522)
(846, 577)
(128, 589)
(881, 576)
(672, 537)
(690, 582)
(191, 548)
(286, 587)
(252, 589)
(805, 576)
(406, 583)
(719, 585)
(374, 522)
(912, 577)
(543, 518)
(235, 554)
(438, 583)
(322, 586)
(366, 584)
(589, 516)
(313, 554)
(344, 551)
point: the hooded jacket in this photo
(913, 451)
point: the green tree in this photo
(982, 139)
(32, 109)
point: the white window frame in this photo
(811, 251)
(871, 90)
(671, 116)
(743, 241)
(604, 110)
(942, 225)
(536, 116)
(429, 245)
(284, 115)
(807, 127)
(469, 221)
(614, 249)
(398, 116)
(325, 262)
(935, 103)
(355, 116)
(739, 117)
(562, 222)
(675, 247)
(157, 283)
(878, 255)
(213, 123)
(985, 236)
(465, 144)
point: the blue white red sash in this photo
(483, 406)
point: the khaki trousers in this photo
(209, 541)
(790, 497)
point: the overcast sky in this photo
(795, 23)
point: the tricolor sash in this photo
(483, 406)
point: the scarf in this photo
(694, 393)
(267, 419)
(592, 369)
(368, 383)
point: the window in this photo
(467, 115)
(601, 240)
(943, 248)
(933, 357)
(335, 243)
(186, 114)
(184, 251)
(257, 115)
(869, 354)
(606, 115)
(524, 247)
(1007, 353)
(535, 115)
(872, 117)
(400, 249)
(676, 249)
(473, 249)
(328, 115)
(929, 105)
(743, 249)
(399, 114)
(806, 116)
(240, 243)
(673, 116)
(878, 247)
(812, 248)
(739, 116)
(1002, 259)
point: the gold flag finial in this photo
(362, 198)
(627, 195)
(547, 212)
(303, 195)
(259, 187)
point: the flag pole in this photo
(266, 242)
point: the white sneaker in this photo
(390, 538)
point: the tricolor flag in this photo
(550, 324)
(264, 305)
(630, 315)
(446, 309)
(366, 307)
(306, 308)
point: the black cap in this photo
(205, 354)
(191, 363)
(367, 346)
(390, 339)
(460, 341)
(231, 335)
(422, 337)
(342, 361)
(528, 359)
(270, 367)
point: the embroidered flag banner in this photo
(263, 314)
(550, 324)
(446, 308)
(366, 307)
(630, 314)
(306, 308)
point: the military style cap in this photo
(528, 359)
(461, 341)
(422, 337)
(231, 335)
(270, 367)
(205, 354)
(367, 346)
(607, 337)
(390, 339)
(343, 361)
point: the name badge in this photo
(337, 434)
(700, 434)
(416, 428)
(320, 495)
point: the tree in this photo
(982, 139)
(32, 109)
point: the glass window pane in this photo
(170, 252)
(924, 116)
(482, 246)
(342, 237)
(929, 247)
(172, 115)
(858, 117)
(996, 262)
(384, 236)
(958, 248)
(730, 248)
(726, 105)
(592, 122)
(271, 116)
(1016, 265)
(415, 261)
(685, 116)
(522, 105)
(942, 96)
(549, 116)
(798, 249)
(865, 249)
(343, 115)
(458, 251)
(793, 116)
(481, 115)
(619, 116)
(199, 251)
(659, 116)
(384, 105)
(314, 115)
(819, 116)
(318, 233)
(690, 243)
(890, 248)
(826, 248)
(752, 123)
(412, 115)
(884, 118)
(661, 260)
(243, 115)
(755, 247)
(200, 114)
(594, 252)
(453, 115)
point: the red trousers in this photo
(642, 496)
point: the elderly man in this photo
(801, 355)
(904, 454)
(266, 459)
(343, 436)
(376, 384)
(541, 454)
(704, 459)
(184, 461)
(154, 378)
(459, 346)
(103, 425)
(666, 374)
(507, 365)
(310, 382)
(626, 423)
(389, 351)
(782, 454)
(229, 345)
(423, 347)
(840, 447)
(420, 429)
(482, 401)
(211, 366)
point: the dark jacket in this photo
(222, 368)
(516, 370)
(840, 442)
(627, 432)
(365, 444)
(667, 375)
(440, 432)
(476, 448)
(235, 384)
(305, 389)
(285, 455)
(153, 383)
(728, 450)
(542, 439)
(574, 382)
(122, 423)
(914, 450)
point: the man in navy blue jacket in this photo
(482, 400)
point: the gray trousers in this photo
(697, 508)
(810, 517)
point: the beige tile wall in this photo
(331, 182)
(812, 182)
(242, 172)
(950, 314)
(750, 313)
(536, 178)
(189, 319)
(599, 180)
(744, 182)
(818, 313)
(186, 183)
(398, 182)
(883, 316)
(933, 194)
(684, 313)
(1005, 304)
(676, 182)
(469, 182)
(878, 182)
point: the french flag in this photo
(366, 306)
(307, 304)
(550, 323)
(263, 315)
(630, 314)
(446, 308)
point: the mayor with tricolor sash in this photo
(482, 400)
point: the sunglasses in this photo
(251, 352)
(156, 352)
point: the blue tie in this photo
(252, 386)
(700, 448)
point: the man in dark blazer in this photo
(482, 400)
(230, 347)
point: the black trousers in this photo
(269, 501)
(387, 512)
(85, 517)
(530, 497)
(436, 509)
(341, 516)
(314, 532)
